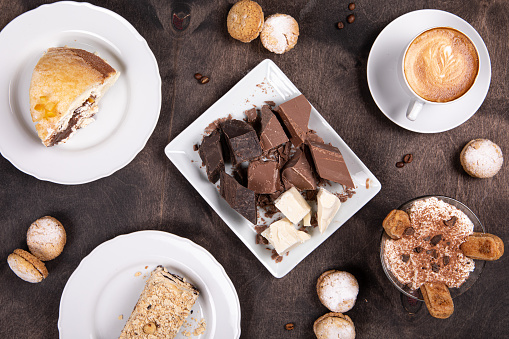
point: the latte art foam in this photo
(441, 64)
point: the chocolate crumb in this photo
(446, 260)
(434, 254)
(260, 228)
(409, 231)
(405, 257)
(418, 249)
(435, 268)
(260, 239)
(279, 259)
(195, 147)
(436, 239)
(451, 222)
(270, 103)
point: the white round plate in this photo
(102, 292)
(128, 112)
(384, 82)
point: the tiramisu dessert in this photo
(429, 247)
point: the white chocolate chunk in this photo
(307, 219)
(282, 235)
(328, 206)
(293, 205)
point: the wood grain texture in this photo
(329, 66)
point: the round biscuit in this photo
(334, 325)
(245, 20)
(337, 290)
(46, 238)
(27, 266)
(280, 33)
(481, 158)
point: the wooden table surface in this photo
(329, 66)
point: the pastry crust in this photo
(62, 81)
(334, 325)
(162, 307)
(245, 20)
(395, 223)
(483, 246)
(438, 299)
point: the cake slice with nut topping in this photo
(164, 304)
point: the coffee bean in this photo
(340, 25)
(203, 80)
(198, 76)
(400, 164)
(436, 239)
(408, 158)
(350, 19)
(289, 326)
(351, 6)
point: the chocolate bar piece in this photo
(295, 115)
(212, 155)
(242, 140)
(262, 177)
(164, 304)
(330, 164)
(240, 198)
(272, 133)
(297, 172)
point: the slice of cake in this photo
(162, 308)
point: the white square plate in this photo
(266, 82)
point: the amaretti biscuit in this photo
(280, 33)
(46, 238)
(337, 290)
(26, 266)
(481, 158)
(245, 20)
(334, 326)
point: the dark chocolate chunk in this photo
(435, 268)
(251, 115)
(418, 249)
(260, 228)
(262, 177)
(260, 239)
(446, 260)
(242, 140)
(270, 103)
(240, 198)
(436, 239)
(240, 174)
(434, 253)
(295, 115)
(297, 172)
(409, 231)
(212, 156)
(329, 163)
(272, 133)
(451, 222)
(405, 257)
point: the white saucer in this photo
(385, 86)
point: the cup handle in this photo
(414, 108)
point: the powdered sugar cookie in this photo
(46, 238)
(337, 290)
(481, 158)
(280, 33)
(245, 20)
(334, 326)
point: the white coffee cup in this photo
(443, 58)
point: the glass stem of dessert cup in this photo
(411, 305)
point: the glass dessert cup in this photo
(474, 275)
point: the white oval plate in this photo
(385, 86)
(128, 112)
(103, 290)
